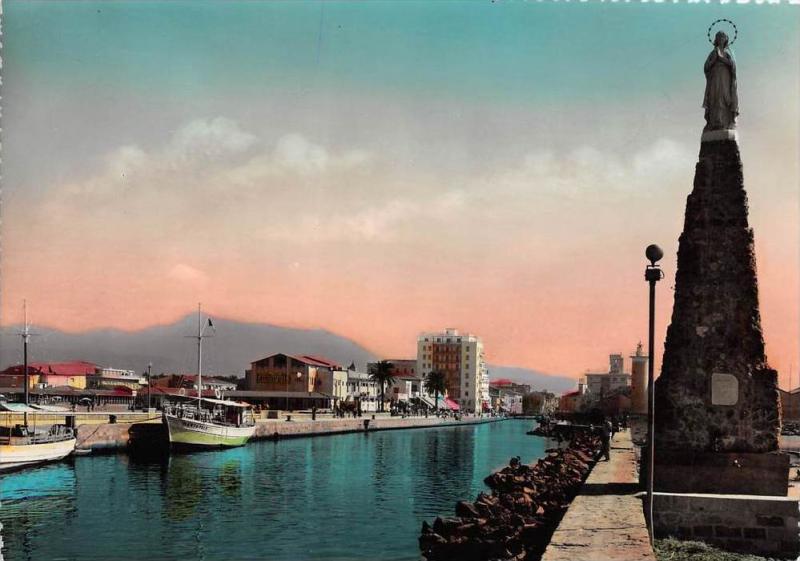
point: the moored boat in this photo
(21, 445)
(218, 424)
(203, 422)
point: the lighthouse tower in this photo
(639, 382)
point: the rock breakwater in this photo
(515, 521)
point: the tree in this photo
(436, 384)
(382, 373)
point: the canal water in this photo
(347, 497)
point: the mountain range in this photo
(229, 351)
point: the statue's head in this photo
(721, 40)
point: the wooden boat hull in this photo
(191, 433)
(19, 455)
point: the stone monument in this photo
(716, 401)
(718, 474)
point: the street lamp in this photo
(149, 368)
(652, 274)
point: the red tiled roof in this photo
(71, 368)
(501, 382)
(569, 394)
(316, 361)
(310, 360)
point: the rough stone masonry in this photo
(716, 392)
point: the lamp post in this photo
(149, 369)
(652, 274)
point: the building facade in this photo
(460, 357)
(600, 385)
(71, 374)
(293, 373)
(294, 382)
(404, 388)
(332, 382)
(110, 378)
(362, 389)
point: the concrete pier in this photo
(606, 521)
(117, 436)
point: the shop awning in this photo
(451, 404)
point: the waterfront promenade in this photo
(606, 521)
(116, 436)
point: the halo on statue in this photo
(733, 25)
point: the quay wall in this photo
(763, 525)
(117, 436)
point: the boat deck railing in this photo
(21, 435)
(206, 416)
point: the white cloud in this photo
(587, 172)
(209, 139)
(186, 273)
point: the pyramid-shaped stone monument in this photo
(717, 415)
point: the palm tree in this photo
(436, 384)
(382, 373)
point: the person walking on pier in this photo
(605, 437)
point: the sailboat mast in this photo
(25, 336)
(199, 360)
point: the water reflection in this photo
(28, 499)
(183, 488)
(358, 496)
(230, 478)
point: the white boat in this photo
(203, 422)
(20, 445)
(220, 424)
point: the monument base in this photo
(722, 473)
(720, 134)
(744, 524)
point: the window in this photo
(466, 394)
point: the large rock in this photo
(716, 392)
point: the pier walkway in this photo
(117, 436)
(606, 521)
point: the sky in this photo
(381, 169)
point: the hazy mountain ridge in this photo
(231, 349)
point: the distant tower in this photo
(639, 382)
(615, 364)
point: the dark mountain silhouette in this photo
(230, 351)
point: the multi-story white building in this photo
(361, 388)
(460, 357)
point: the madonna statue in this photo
(721, 101)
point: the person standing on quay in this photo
(605, 437)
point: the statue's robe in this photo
(721, 100)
